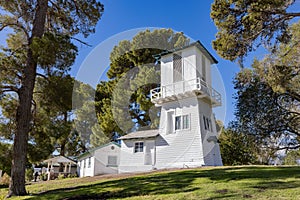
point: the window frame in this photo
(138, 148)
(181, 124)
(203, 68)
(186, 122)
(89, 162)
(207, 123)
(177, 123)
(115, 158)
(177, 74)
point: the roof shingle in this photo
(140, 134)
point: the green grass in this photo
(245, 182)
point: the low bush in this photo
(61, 176)
(29, 174)
(4, 181)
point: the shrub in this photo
(72, 175)
(44, 176)
(61, 176)
(29, 174)
(4, 180)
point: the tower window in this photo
(185, 122)
(203, 68)
(177, 122)
(207, 123)
(177, 68)
(182, 122)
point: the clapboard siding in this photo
(99, 159)
(84, 168)
(183, 146)
(211, 151)
(131, 161)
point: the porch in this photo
(55, 164)
(184, 89)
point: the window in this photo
(207, 123)
(139, 147)
(89, 162)
(177, 122)
(177, 68)
(185, 122)
(112, 161)
(83, 163)
(182, 122)
(203, 68)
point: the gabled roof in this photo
(197, 44)
(140, 134)
(59, 159)
(96, 148)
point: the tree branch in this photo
(18, 25)
(78, 40)
(8, 88)
(42, 75)
(288, 148)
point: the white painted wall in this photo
(134, 162)
(200, 66)
(211, 150)
(183, 147)
(189, 63)
(85, 170)
(99, 161)
(167, 68)
(192, 68)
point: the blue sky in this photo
(191, 17)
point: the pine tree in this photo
(41, 39)
(243, 25)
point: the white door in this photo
(170, 123)
(148, 155)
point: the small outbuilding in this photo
(60, 165)
(100, 160)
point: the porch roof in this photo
(59, 159)
(140, 134)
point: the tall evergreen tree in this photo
(259, 113)
(237, 147)
(243, 25)
(84, 116)
(268, 96)
(41, 38)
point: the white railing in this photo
(183, 87)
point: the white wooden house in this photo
(101, 160)
(187, 135)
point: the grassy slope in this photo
(249, 182)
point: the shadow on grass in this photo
(177, 182)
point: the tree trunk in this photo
(24, 115)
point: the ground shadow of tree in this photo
(176, 182)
